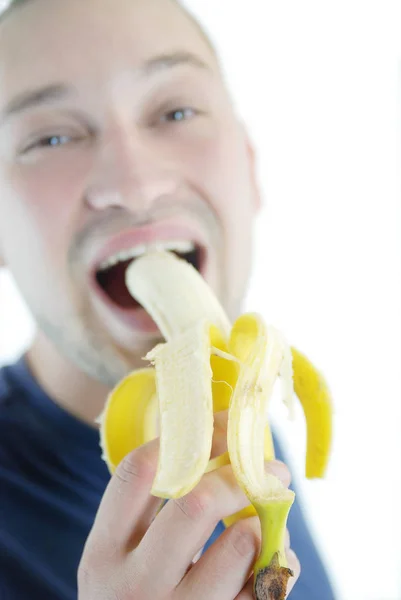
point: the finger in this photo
(223, 570)
(275, 467)
(280, 470)
(128, 508)
(126, 504)
(219, 444)
(287, 540)
(188, 521)
(295, 566)
(247, 592)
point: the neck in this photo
(64, 383)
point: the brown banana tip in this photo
(271, 582)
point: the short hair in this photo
(13, 4)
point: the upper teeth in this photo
(181, 246)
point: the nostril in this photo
(102, 199)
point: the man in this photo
(116, 130)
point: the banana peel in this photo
(206, 366)
(130, 418)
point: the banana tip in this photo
(271, 582)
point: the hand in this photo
(135, 552)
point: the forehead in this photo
(89, 40)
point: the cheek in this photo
(220, 169)
(222, 172)
(45, 201)
(41, 206)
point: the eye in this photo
(48, 141)
(179, 114)
(55, 140)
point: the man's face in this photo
(116, 132)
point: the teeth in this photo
(180, 246)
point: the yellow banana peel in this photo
(207, 365)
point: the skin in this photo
(107, 156)
(133, 556)
(124, 166)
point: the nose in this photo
(131, 171)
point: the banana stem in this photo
(271, 572)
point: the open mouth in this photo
(110, 275)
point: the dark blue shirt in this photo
(52, 479)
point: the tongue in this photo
(113, 283)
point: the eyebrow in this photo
(169, 61)
(60, 91)
(36, 97)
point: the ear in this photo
(253, 173)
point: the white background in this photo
(319, 85)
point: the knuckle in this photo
(243, 538)
(89, 568)
(198, 505)
(131, 588)
(84, 575)
(136, 465)
(90, 583)
(100, 550)
(89, 562)
(95, 583)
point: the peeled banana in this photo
(206, 365)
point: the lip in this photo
(150, 234)
(138, 318)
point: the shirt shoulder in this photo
(10, 389)
(22, 432)
(5, 389)
(47, 493)
(10, 396)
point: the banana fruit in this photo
(207, 365)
